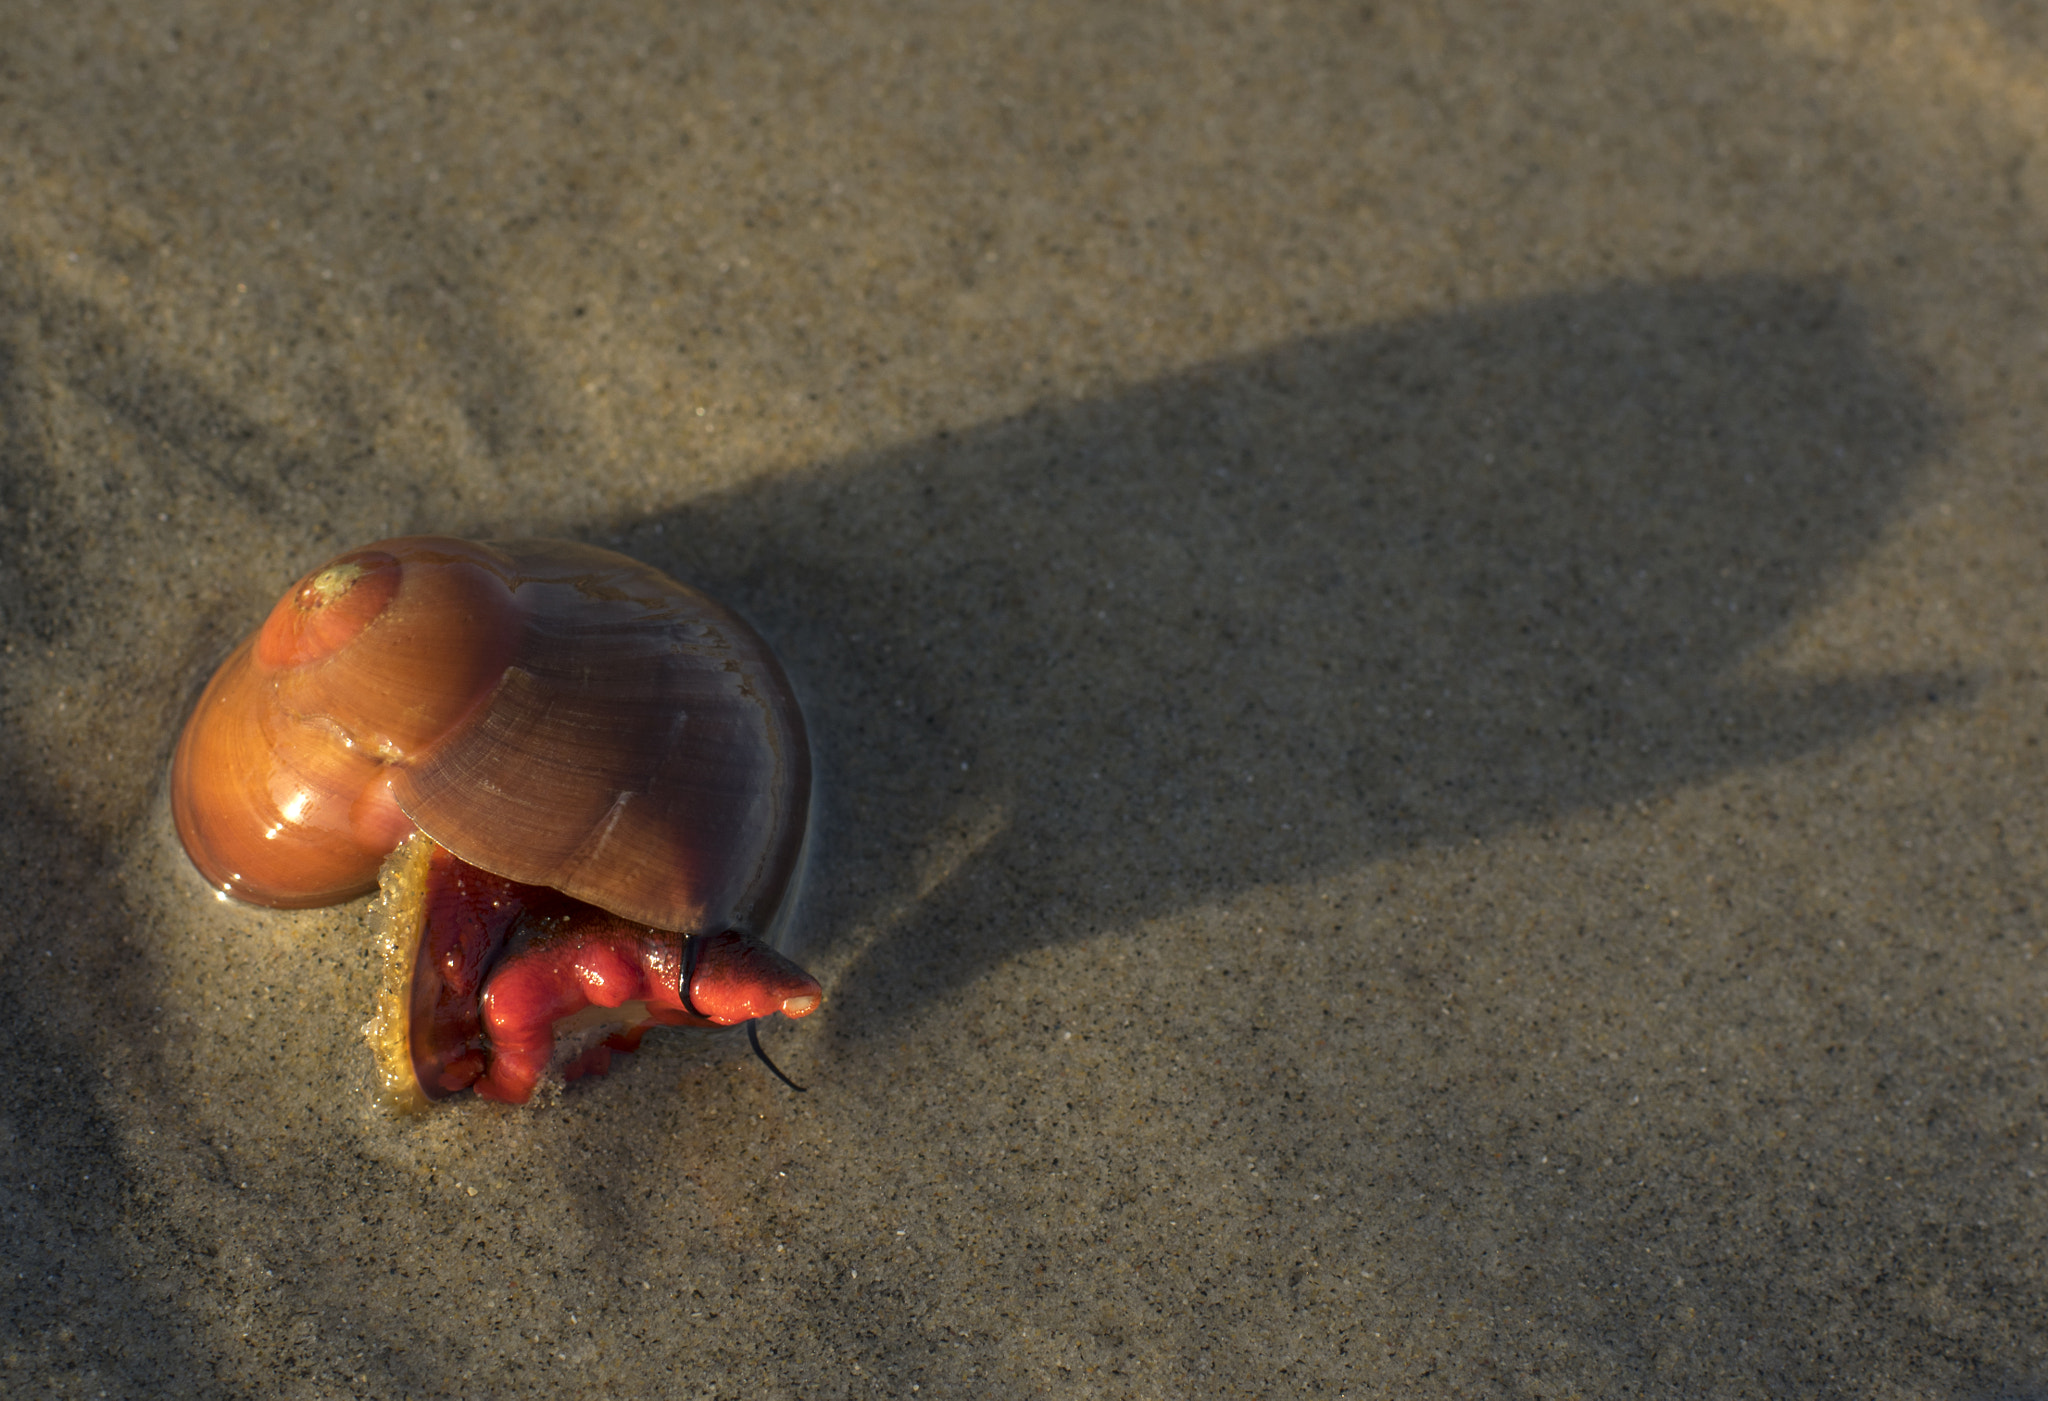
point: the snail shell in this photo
(549, 712)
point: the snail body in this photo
(609, 760)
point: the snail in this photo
(583, 787)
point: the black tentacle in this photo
(755, 1037)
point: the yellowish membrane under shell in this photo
(395, 923)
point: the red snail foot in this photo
(487, 979)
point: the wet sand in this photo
(1422, 624)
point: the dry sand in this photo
(1423, 621)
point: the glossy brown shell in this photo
(554, 713)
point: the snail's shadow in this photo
(1282, 616)
(1289, 613)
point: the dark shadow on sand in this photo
(1442, 578)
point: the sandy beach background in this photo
(1423, 623)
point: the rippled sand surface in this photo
(1423, 621)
